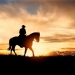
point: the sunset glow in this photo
(54, 19)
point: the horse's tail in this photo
(9, 46)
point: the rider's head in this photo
(23, 26)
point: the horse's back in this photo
(13, 39)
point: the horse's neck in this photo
(31, 36)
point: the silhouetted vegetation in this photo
(36, 59)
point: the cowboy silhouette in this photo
(22, 31)
(22, 34)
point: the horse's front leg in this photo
(25, 51)
(32, 50)
(11, 52)
(14, 52)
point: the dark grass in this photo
(36, 59)
(36, 65)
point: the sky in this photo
(54, 19)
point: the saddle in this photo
(21, 39)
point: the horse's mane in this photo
(34, 33)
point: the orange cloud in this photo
(49, 17)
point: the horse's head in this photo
(37, 36)
(34, 35)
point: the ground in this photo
(36, 65)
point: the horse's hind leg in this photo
(13, 48)
(32, 50)
(11, 51)
(25, 51)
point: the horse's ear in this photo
(38, 32)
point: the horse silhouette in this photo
(26, 42)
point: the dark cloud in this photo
(69, 52)
(30, 5)
(47, 5)
(44, 6)
(51, 39)
(68, 49)
(59, 38)
(3, 2)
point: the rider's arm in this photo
(20, 31)
(25, 31)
